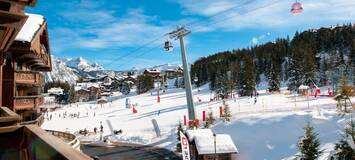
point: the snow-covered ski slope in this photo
(268, 129)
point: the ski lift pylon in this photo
(296, 8)
(168, 46)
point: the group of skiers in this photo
(49, 116)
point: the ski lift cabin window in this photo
(296, 8)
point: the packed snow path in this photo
(253, 128)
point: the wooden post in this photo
(203, 115)
(220, 111)
(1, 65)
(185, 120)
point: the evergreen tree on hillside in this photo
(144, 83)
(343, 95)
(323, 68)
(248, 75)
(235, 71)
(309, 144)
(296, 59)
(274, 79)
(343, 149)
(222, 84)
(352, 61)
(308, 65)
(295, 72)
(72, 97)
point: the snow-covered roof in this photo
(55, 89)
(198, 132)
(76, 88)
(224, 144)
(30, 28)
(152, 71)
(303, 87)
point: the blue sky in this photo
(107, 31)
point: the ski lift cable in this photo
(219, 13)
(136, 50)
(227, 18)
(140, 55)
(191, 24)
(188, 24)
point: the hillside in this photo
(71, 69)
(317, 56)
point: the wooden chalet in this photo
(26, 58)
(152, 72)
(24, 52)
(173, 73)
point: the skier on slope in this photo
(255, 100)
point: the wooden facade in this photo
(20, 90)
(12, 19)
(22, 79)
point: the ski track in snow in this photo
(268, 129)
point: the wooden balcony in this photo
(31, 142)
(10, 25)
(27, 102)
(8, 117)
(29, 77)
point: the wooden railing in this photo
(29, 77)
(27, 102)
(35, 144)
(38, 121)
(8, 117)
(68, 138)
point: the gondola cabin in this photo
(168, 46)
(296, 8)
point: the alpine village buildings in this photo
(24, 55)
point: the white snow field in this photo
(267, 130)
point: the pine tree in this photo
(274, 79)
(343, 150)
(227, 113)
(308, 65)
(144, 84)
(222, 84)
(295, 72)
(323, 72)
(72, 97)
(234, 67)
(352, 62)
(248, 76)
(309, 144)
(343, 95)
(209, 120)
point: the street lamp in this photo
(196, 80)
(215, 148)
